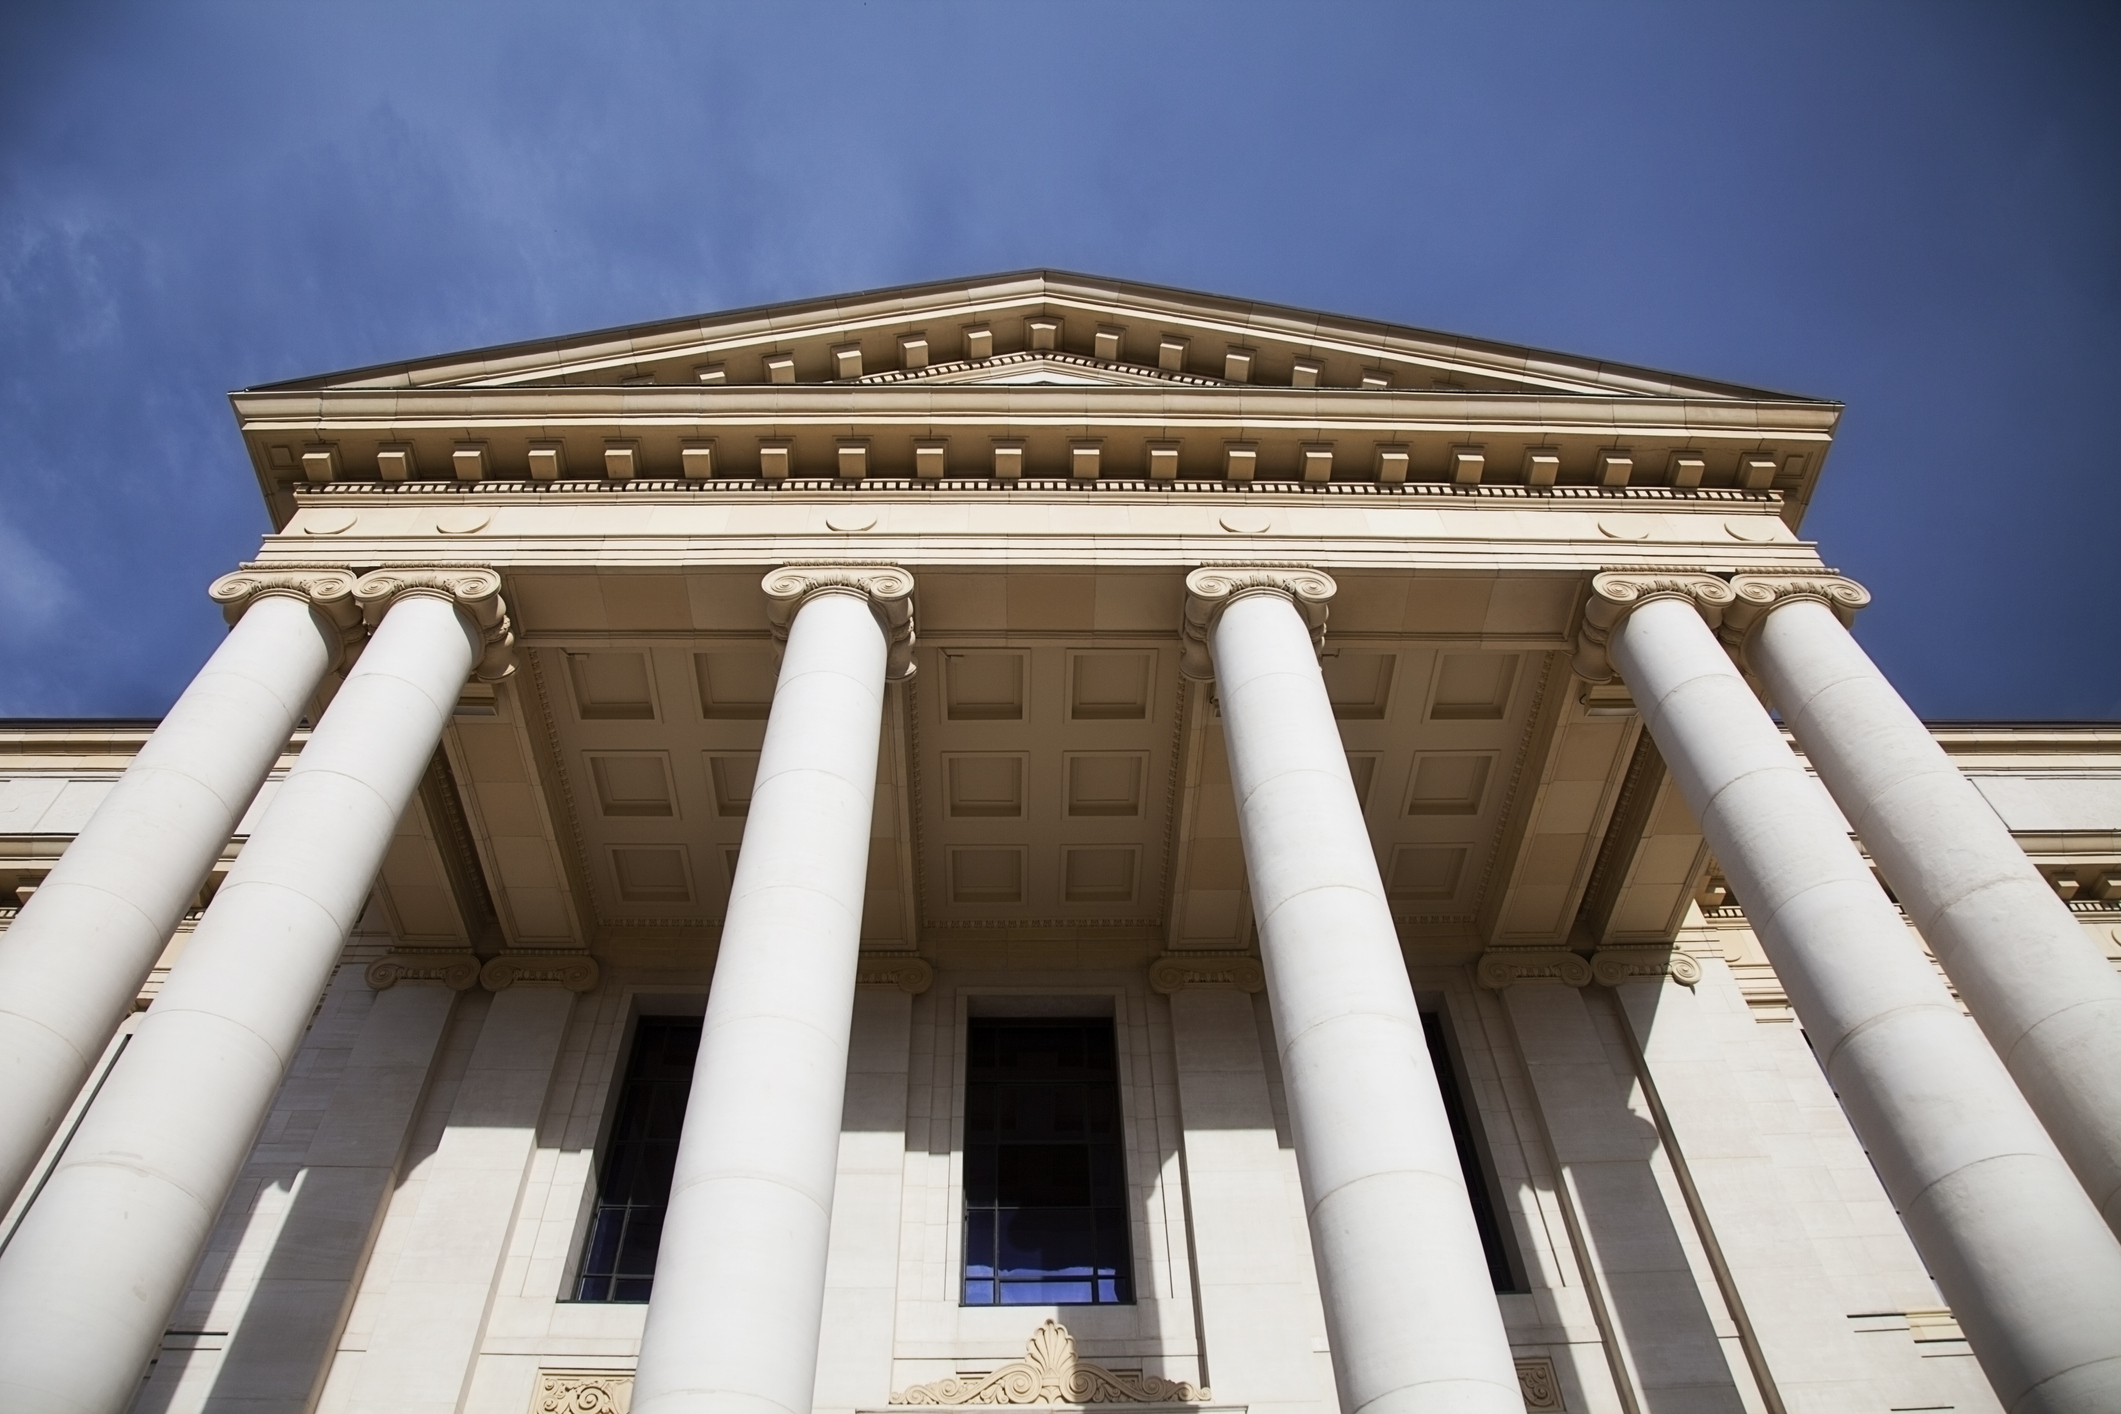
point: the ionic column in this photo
(2050, 1003)
(740, 1281)
(2021, 1254)
(93, 1271)
(1410, 1312)
(76, 955)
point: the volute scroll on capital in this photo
(458, 971)
(1213, 588)
(329, 593)
(887, 588)
(473, 589)
(1615, 966)
(1759, 595)
(1506, 967)
(576, 971)
(1175, 972)
(1617, 593)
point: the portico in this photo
(1349, 723)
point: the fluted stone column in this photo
(1410, 1312)
(99, 1261)
(740, 1280)
(2050, 1003)
(2023, 1257)
(78, 952)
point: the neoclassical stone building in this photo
(1049, 841)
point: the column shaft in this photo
(76, 955)
(2037, 984)
(2022, 1256)
(1410, 1312)
(99, 1261)
(739, 1289)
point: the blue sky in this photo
(1914, 209)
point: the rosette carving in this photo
(576, 971)
(328, 592)
(1758, 595)
(454, 970)
(1050, 1373)
(911, 975)
(1506, 967)
(1214, 588)
(475, 591)
(1611, 967)
(1174, 972)
(1617, 593)
(887, 588)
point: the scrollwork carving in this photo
(1213, 588)
(1538, 1386)
(887, 588)
(576, 971)
(454, 970)
(1614, 966)
(582, 1392)
(475, 591)
(1617, 593)
(1506, 967)
(329, 592)
(1050, 1373)
(911, 975)
(1174, 972)
(1759, 595)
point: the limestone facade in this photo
(1363, 734)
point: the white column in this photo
(97, 1264)
(740, 1280)
(2050, 1003)
(2021, 1254)
(1410, 1312)
(76, 955)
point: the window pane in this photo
(1045, 1179)
(618, 1261)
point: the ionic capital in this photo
(1175, 972)
(329, 592)
(454, 970)
(911, 975)
(576, 971)
(887, 588)
(1506, 967)
(1617, 593)
(1213, 588)
(1611, 967)
(1759, 595)
(475, 591)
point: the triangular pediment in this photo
(1034, 328)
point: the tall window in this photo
(618, 1262)
(1045, 1182)
(1478, 1187)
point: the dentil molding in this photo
(329, 592)
(911, 975)
(1174, 972)
(1214, 588)
(475, 591)
(1506, 967)
(454, 970)
(576, 971)
(1617, 593)
(1758, 595)
(1050, 1373)
(887, 588)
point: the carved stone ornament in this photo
(582, 1392)
(1536, 1383)
(1506, 967)
(475, 591)
(1049, 1373)
(576, 971)
(454, 970)
(327, 591)
(1759, 595)
(1610, 967)
(911, 975)
(1174, 972)
(1214, 588)
(888, 589)
(1617, 593)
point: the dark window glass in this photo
(618, 1261)
(1477, 1187)
(1045, 1185)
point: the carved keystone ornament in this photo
(1213, 588)
(887, 588)
(1050, 1373)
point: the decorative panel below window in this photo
(618, 1263)
(1045, 1180)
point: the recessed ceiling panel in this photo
(611, 687)
(1359, 684)
(1472, 687)
(736, 685)
(1105, 784)
(632, 783)
(1449, 782)
(983, 687)
(1109, 686)
(652, 874)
